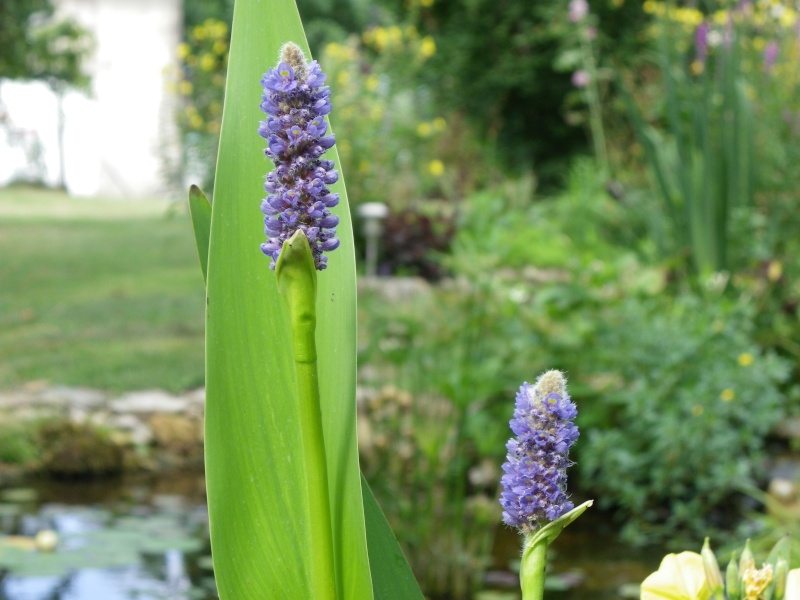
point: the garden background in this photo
(606, 188)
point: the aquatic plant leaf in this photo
(200, 209)
(254, 464)
(392, 578)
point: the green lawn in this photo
(98, 293)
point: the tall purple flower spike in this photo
(296, 102)
(535, 480)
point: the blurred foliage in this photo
(200, 84)
(715, 70)
(408, 445)
(676, 394)
(72, 450)
(496, 63)
(36, 46)
(690, 402)
(17, 443)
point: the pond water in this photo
(138, 538)
(146, 538)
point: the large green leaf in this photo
(254, 464)
(392, 578)
(200, 209)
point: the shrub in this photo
(695, 402)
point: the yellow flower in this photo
(371, 83)
(219, 47)
(745, 359)
(436, 167)
(727, 395)
(185, 88)
(426, 3)
(697, 67)
(439, 124)
(427, 47)
(207, 62)
(756, 581)
(774, 270)
(183, 50)
(220, 29)
(424, 129)
(343, 79)
(196, 121)
(679, 577)
(199, 33)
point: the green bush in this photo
(17, 444)
(694, 402)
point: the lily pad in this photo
(19, 495)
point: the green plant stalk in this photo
(297, 282)
(532, 568)
(534, 552)
(595, 114)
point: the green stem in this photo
(532, 568)
(595, 111)
(297, 281)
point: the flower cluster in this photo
(535, 479)
(296, 102)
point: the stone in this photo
(78, 397)
(176, 432)
(130, 429)
(149, 401)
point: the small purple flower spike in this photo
(535, 480)
(296, 101)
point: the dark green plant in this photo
(17, 444)
(693, 402)
(496, 62)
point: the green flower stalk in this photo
(300, 228)
(534, 496)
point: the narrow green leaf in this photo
(551, 531)
(259, 522)
(200, 209)
(392, 578)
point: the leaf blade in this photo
(259, 528)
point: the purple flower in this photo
(296, 102)
(701, 42)
(770, 55)
(535, 480)
(580, 79)
(578, 9)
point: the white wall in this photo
(115, 138)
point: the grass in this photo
(99, 293)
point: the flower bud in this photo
(733, 584)
(711, 567)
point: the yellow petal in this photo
(679, 577)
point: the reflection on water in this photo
(146, 538)
(140, 537)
